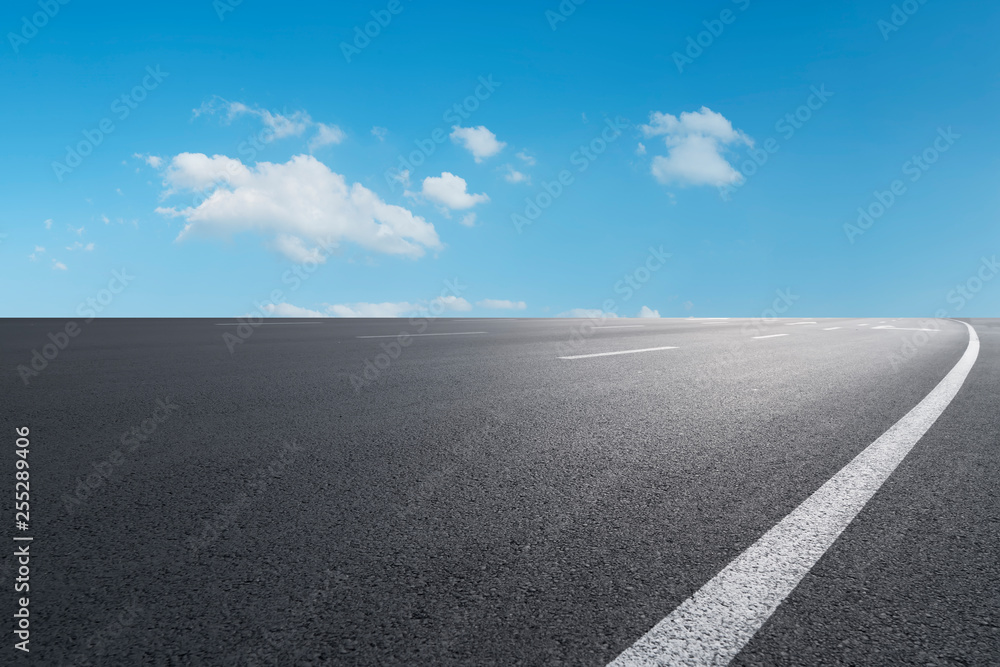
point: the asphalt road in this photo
(477, 500)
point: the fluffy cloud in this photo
(528, 159)
(380, 132)
(48, 223)
(38, 251)
(399, 309)
(58, 266)
(501, 304)
(469, 220)
(477, 140)
(81, 246)
(587, 313)
(299, 202)
(278, 126)
(288, 310)
(451, 191)
(649, 313)
(695, 144)
(515, 176)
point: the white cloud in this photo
(688, 305)
(400, 309)
(587, 313)
(326, 135)
(648, 313)
(301, 198)
(288, 310)
(528, 159)
(469, 220)
(279, 126)
(695, 144)
(515, 176)
(79, 232)
(477, 140)
(451, 191)
(455, 303)
(640, 149)
(380, 132)
(38, 251)
(58, 266)
(295, 249)
(80, 246)
(501, 304)
(154, 161)
(48, 224)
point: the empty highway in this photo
(510, 492)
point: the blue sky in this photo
(295, 141)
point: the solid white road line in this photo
(232, 324)
(770, 336)
(713, 625)
(864, 325)
(450, 333)
(889, 326)
(611, 354)
(795, 324)
(832, 328)
(624, 326)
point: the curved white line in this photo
(712, 626)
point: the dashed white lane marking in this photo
(449, 333)
(624, 326)
(832, 328)
(889, 326)
(795, 324)
(611, 354)
(231, 324)
(770, 336)
(864, 325)
(713, 625)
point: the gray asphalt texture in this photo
(480, 501)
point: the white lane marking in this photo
(611, 354)
(832, 328)
(450, 333)
(889, 326)
(771, 336)
(624, 326)
(864, 325)
(707, 318)
(795, 324)
(231, 324)
(712, 626)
